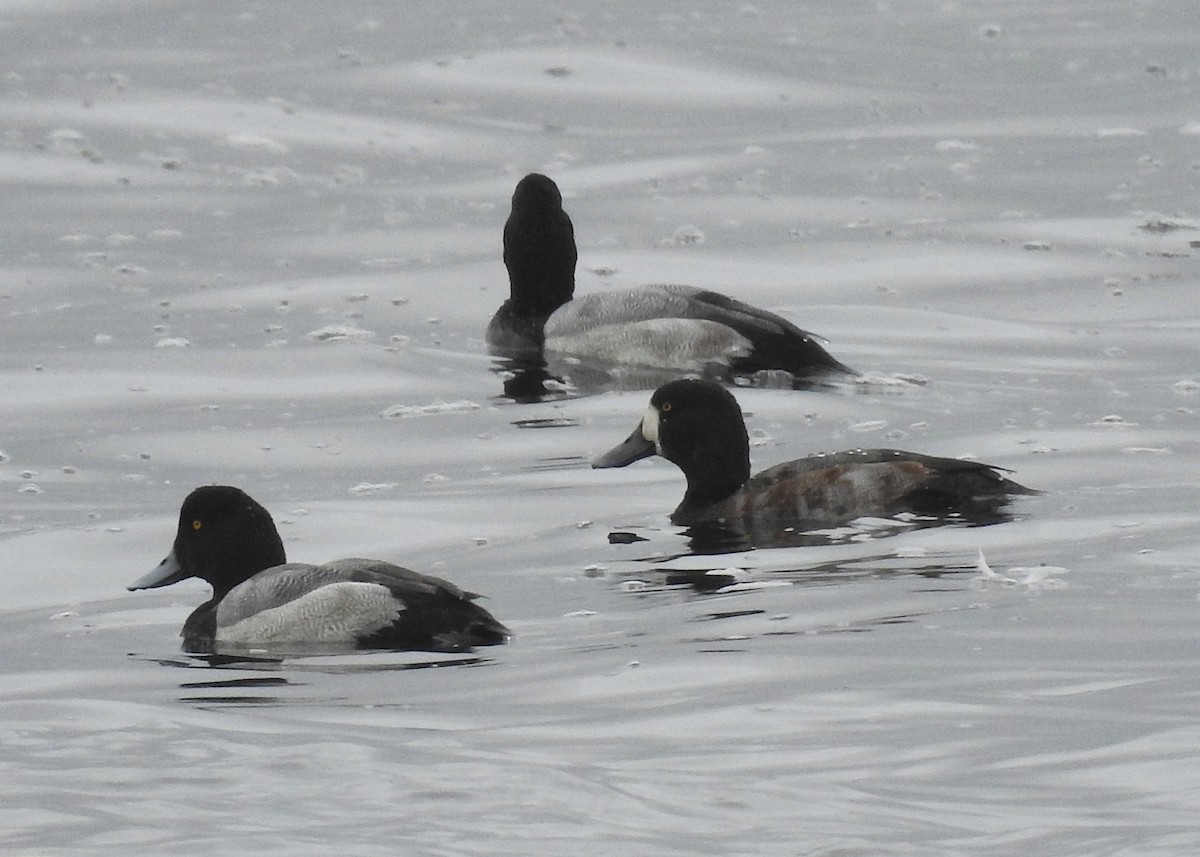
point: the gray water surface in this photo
(258, 244)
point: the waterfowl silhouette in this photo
(260, 600)
(698, 426)
(667, 329)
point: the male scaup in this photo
(260, 599)
(698, 426)
(660, 327)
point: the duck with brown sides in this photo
(698, 426)
(260, 600)
(659, 331)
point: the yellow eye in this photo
(196, 525)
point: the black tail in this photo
(976, 491)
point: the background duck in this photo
(698, 426)
(259, 599)
(660, 327)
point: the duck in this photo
(260, 600)
(698, 426)
(668, 327)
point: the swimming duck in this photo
(259, 599)
(665, 327)
(698, 426)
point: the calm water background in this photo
(1000, 198)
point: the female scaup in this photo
(260, 599)
(698, 426)
(662, 327)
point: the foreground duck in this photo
(261, 600)
(662, 327)
(698, 426)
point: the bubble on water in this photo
(1113, 420)
(456, 407)
(954, 146)
(173, 342)
(67, 141)
(760, 437)
(341, 333)
(877, 381)
(868, 426)
(372, 488)
(256, 143)
(685, 235)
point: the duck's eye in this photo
(665, 408)
(197, 524)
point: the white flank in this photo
(337, 613)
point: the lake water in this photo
(258, 244)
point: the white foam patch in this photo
(337, 613)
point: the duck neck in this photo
(540, 254)
(701, 497)
(536, 290)
(716, 469)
